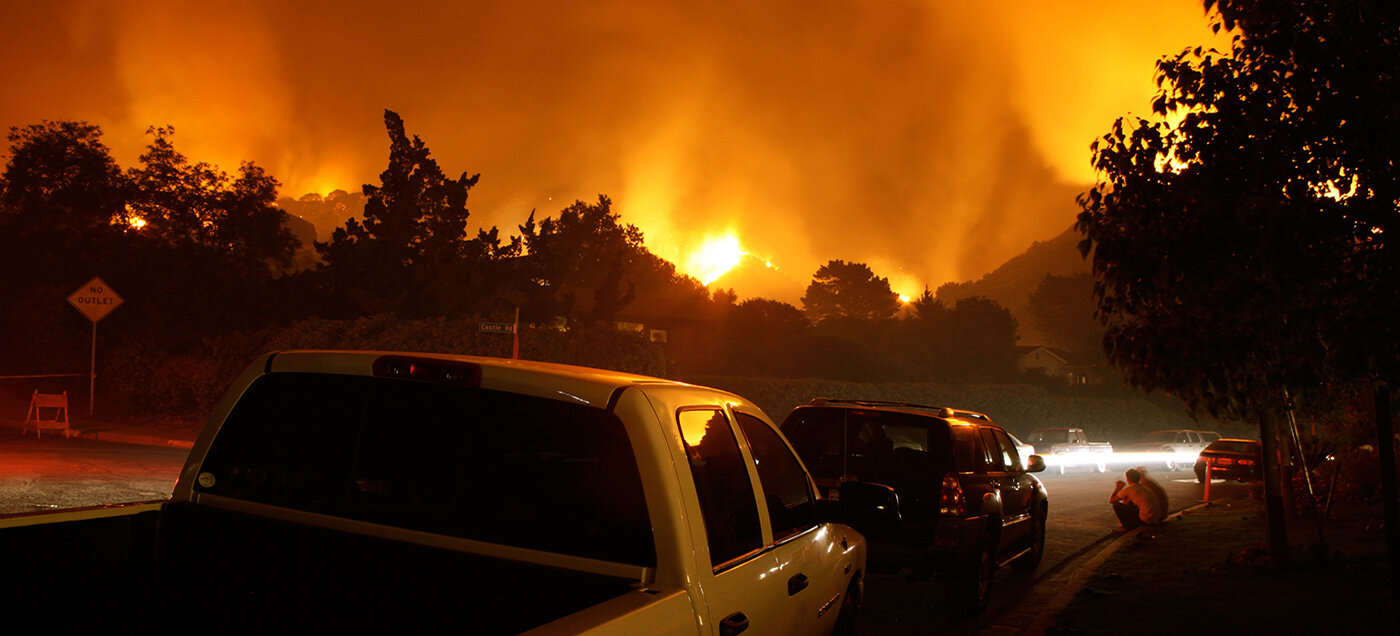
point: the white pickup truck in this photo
(1066, 448)
(371, 492)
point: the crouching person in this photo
(1134, 503)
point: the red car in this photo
(1238, 459)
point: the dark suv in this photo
(960, 502)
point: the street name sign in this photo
(95, 300)
(498, 327)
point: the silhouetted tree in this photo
(586, 250)
(1241, 251)
(1062, 307)
(195, 206)
(977, 340)
(62, 197)
(848, 290)
(764, 337)
(413, 232)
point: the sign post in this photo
(95, 300)
(512, 328)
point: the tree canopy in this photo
(1226, 245)
(413, 236)
(848, 290)
(1242, 253)
(1062, 308)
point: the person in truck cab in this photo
(1133, 502)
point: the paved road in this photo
(53, 472)
(1080, 523)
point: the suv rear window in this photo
(905, 450)
(458, 461)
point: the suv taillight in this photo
(952, 501)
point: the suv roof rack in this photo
(943, 411)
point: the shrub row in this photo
(143, 382)
(139, 381)
(1020, 408)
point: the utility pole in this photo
(1273, 498)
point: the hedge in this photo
(1020, 408)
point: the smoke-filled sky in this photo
(931, 140)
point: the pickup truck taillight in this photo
(440, 371)
(952, 501)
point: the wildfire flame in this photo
(715, 258)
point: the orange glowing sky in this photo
(930, 140)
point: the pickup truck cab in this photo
(1066, 448)
(402, 492)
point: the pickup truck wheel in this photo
(971, 584)
(1029, 561)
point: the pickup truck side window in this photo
(722, 484)
(791, 509)
(452, 460)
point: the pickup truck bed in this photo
(133, 572)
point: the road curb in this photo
(1076, 581)
(142, 440)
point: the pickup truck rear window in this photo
(453, 460)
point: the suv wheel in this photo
(1029, 561)
(970, 585)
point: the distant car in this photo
(1238, 459)
(1178, 448)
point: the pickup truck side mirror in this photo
(865, 506)
(1036, 464)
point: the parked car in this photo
(1175, 449)
(1238, 459)
(963, 501)
(1066, 448)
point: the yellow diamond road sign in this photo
(95, 299)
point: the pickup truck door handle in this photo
(733, 624)
(797, 583)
